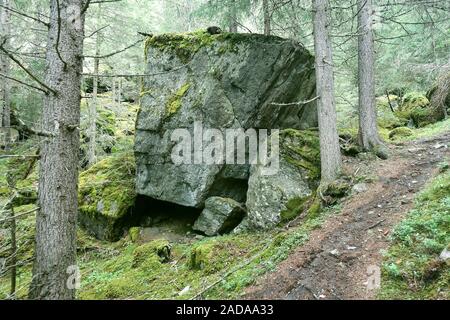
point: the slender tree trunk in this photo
(55, 250)
(92, 159)
(329, 140)
(13, 261)
(233, 17)
(114, 90)
(119, 95)
(5, 32)
(267, 27)
(369, 138)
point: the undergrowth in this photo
(412, 267)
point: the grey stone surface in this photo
(225, 81)
(219, 215)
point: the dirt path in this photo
(334, 263)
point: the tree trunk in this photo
(233, 17)
(5, 32)
(329, 140)
(13, 261)
(92, 159)
(369, 138)
(55, 249)
(119, 96)
(266, 17)
(114, 90)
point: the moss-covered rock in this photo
(302, 148)
(293, 208)
(225, 81)
(134, 233)
(280, 196)
(174, 103)
(416, 107)
(335, 190)
(157, 251)
(400, 132)
(107, 195)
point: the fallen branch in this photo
(299, 103)
(376, 224)
(19, 215)
(42, 133)
(18, 156)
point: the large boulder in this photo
(224, 81)
(416, 108)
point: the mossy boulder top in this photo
(225, 81)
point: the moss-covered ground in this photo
(412, 268)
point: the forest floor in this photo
(337, 260)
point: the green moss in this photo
(428, 131)
(302, 149)
(400, 132)
(293, 208)
(174, 102)
(385, 117)
(315, 209)
(411, 268)
(416, 107)
(106, 194)
(337, 189)
(134, 233)
(413, 100)
(106, 122)
(110, 270)
(186, 45)
(208, 257)
(157, 250)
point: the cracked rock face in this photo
(220, 215)
(224, 81)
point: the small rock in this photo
(351, 248)
(439, 146)
(360, 187)
(445, 255)
(334, 252)
(184, 291)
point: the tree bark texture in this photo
(329, 140)
(56, 222)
